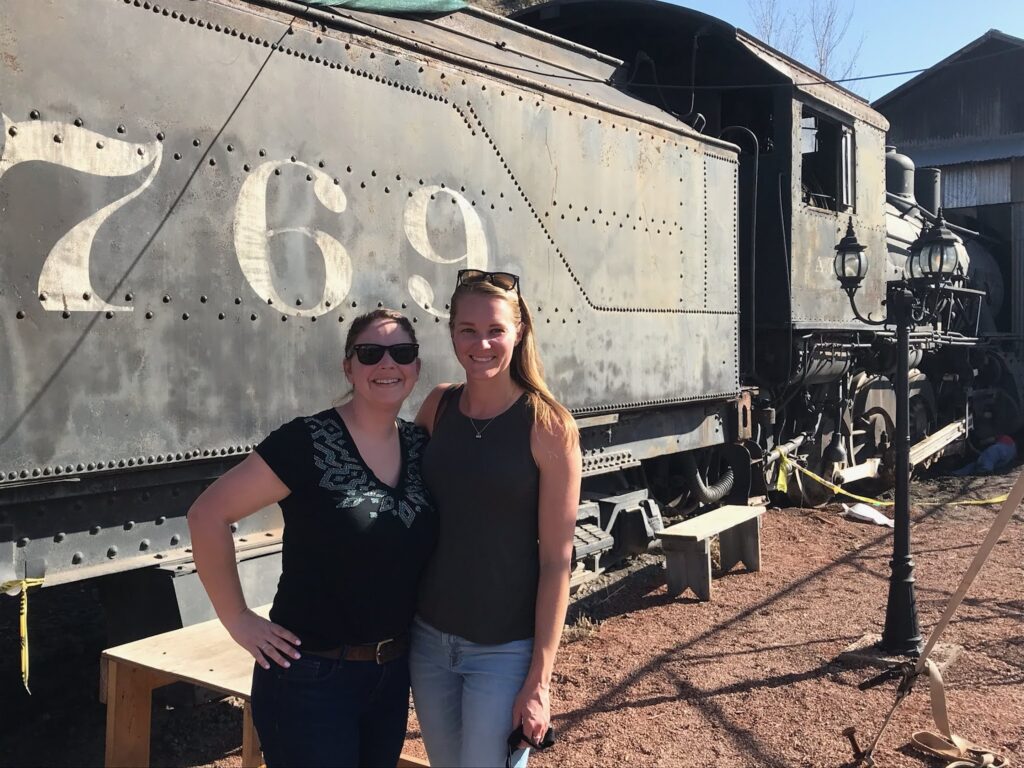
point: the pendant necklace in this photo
(480, 432)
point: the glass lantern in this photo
(850, 264)
(933, 256)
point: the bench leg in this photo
(129, 712)
(689, 565)
(252, 757)
(408, 761)
(741, 544)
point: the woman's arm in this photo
(427, 414)
(560, 468)
(238, 493)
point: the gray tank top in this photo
(481, 582)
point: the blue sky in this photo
(900, 35)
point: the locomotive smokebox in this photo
(928, 188)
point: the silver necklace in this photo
(480, 431)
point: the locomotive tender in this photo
(196, 197)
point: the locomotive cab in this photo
(812, 163)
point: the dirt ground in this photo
(748, 679)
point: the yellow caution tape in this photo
(781, 485)
(786, 463)
(23, 585)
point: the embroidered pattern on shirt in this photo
(347, 479)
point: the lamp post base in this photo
(901, 636)
(865, 652)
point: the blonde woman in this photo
(503, 467)
(331, 679)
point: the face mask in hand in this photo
(518, 736)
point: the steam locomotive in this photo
(196, 197)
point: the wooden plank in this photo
(710, 523)
(129, 711)
(741, 544)
(203, 654)
(690, 567)
(252, 757)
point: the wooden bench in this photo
(203, 654)
(687, 547)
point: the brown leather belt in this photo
(382, 652)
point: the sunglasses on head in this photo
(504, 280)
(371, 354)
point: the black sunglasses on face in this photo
(504, 280)
(371, 354)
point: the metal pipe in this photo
(786, 449)
(693, 71)
(906, 206)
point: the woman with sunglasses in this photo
(331, 679)
(503, 467)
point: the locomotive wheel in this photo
(921, 421)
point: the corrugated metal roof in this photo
(969, 151)
(992, 34)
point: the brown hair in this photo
(363, 322)
(526, 368)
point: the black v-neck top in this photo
(353, 547)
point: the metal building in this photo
(965, 116)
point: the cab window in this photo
(827, 162)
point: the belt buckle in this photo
(380, 646)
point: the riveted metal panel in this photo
(196, 198)
(817, 300)
(721, 226)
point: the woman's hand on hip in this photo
(533, 709)
(263, 639)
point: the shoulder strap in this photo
(442, 404)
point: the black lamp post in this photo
(932, 262)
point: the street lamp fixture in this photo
(931, 267)
(933, 256)
(850, 265)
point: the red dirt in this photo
(749, 679)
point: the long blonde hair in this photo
(526, 368)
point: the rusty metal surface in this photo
(800, 236)
(188, 221)
(817, 302)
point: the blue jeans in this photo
(327, 712)
(464, 693)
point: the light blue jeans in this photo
(464, 693)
